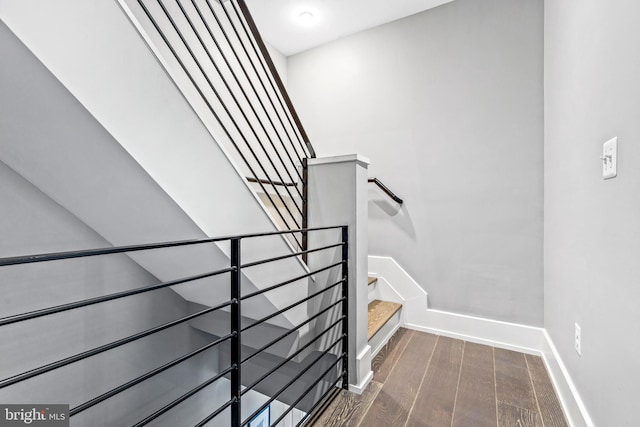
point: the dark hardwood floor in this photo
(422, 380)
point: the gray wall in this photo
(30, 222)
(63, 177)
(447, 104)
(592, 226)
(35, 105)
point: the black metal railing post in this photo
(333, 349)
(305, 207)
(345, 306)
(236, 378)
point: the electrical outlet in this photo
(577, 339)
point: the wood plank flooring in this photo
(425, 380)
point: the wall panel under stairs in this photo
(31, 222)
(157, 173)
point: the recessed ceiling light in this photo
(306, 17)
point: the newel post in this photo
(337, 194)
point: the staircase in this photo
(384, 318)
(138, 152)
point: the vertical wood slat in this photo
(476, 400)
(434, 403)
(550, 408)
(393, 403)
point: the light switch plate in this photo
(610, 158)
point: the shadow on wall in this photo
(382, 208)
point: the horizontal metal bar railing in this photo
(290, 331)
(95, 351)
(333, 384)
(290, 306)
(293, 380)
(97, 300)
(311, 416)
(300, 350)
(235, 270)
(186, 396)
(278, 258)
(215, 413)
(54, 256)
(144, 377)
(288, 282)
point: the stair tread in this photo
(372, 280)
(379, 314)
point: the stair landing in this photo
(461, 384)
(379, 314)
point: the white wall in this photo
(280, 61)
(447, 104)
(592, 226)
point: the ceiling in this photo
(280, 26)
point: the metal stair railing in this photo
(331, 338)
(218, 47)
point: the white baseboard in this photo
(363, 374)
(359, 388)
(572, 403)
(511, 336)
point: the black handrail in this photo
(274, 73)
(234, 337)
(264, 181)
(269, 78)
(212, 87)
(246, 75)
(386, 190)
(53, 256)
(226, 61)
(244, 92)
